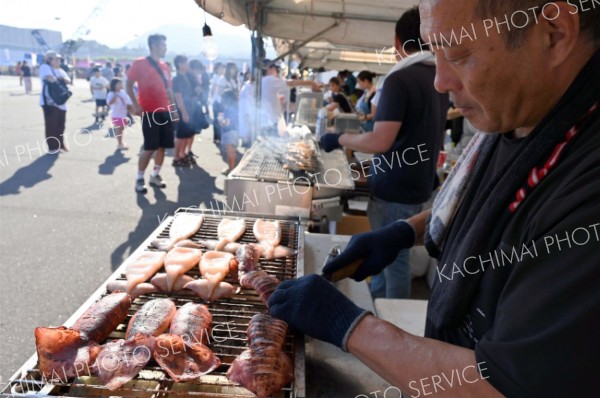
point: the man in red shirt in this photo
(156, 106)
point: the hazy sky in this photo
(112, 22)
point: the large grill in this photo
(230, 321)
(262, 166)
(264, 162)
(269, 180)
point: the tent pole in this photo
(255, 11)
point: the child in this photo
(99, 86)
(120, 105)
(228, 121)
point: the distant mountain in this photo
(232, 42)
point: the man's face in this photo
(161, 48)
(184, 67)
(496, 88)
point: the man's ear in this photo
(561, 30)
(398, 48)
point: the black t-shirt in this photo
(181, 84)
(343, 102)
(407, 172)
(193, 80)
(26, 70)
(537, 308)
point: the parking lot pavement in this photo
(68, 220)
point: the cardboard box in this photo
(352, 225)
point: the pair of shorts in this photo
(230, 137)
(183, 130)
(121, 121)
(157, 128)
(101, 102)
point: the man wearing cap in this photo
(54, 115)
(514, 309)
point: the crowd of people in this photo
(176, 102)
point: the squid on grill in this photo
(263, 368)
(251, 276)
(99, 321)
(152, 319)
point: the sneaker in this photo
(123, 147)
(181, 162)
(157, 181)
(140, 186)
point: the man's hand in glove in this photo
(313, 306)
(373, 251)
(330, 142)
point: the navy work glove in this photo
(370, 252)
(313, 306)
(330, 142)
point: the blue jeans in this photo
(394, 281)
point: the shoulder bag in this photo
(57, 90)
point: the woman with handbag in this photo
(53, 101)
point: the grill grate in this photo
(261, 166)
(228, 339)
(263, 162)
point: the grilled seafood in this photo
(183, 361)
(184, 225)
(142, 268)
(121, 360)
(142, 288)
(178, 261)
(208, 292)
(264, 368)
(99, 321)
(152, 319)
(229, 231)
(64, 353)
(160, 282)
(192, 321)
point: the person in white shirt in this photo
(274, 91)
(54, 115)
(229, 81)
(215, 96)
(247, 111)
(120, 106)
(99, 88)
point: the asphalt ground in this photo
(68, 220)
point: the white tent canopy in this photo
(321, 54)
(336, 34)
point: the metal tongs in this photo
(342, 273)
